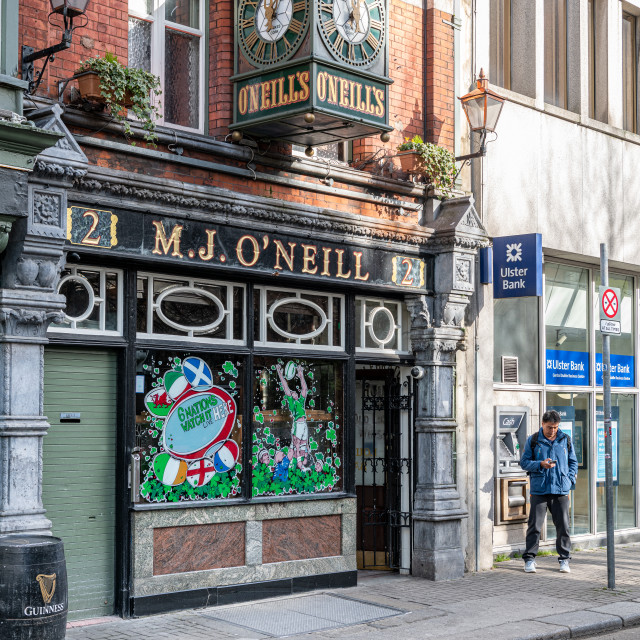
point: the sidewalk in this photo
(502, 604)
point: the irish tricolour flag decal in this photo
(169, 470)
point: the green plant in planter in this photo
(438, 163)
(127, 88)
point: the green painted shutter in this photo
(79, 472)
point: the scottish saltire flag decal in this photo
(197, 372)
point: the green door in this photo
(79, 454)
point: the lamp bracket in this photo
(29, 56)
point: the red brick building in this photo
(251, 391)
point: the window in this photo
(555, 52)
(297, 426)
(188, 308)
(286, 317)
(188, 425)
(94, 301)
(592, 58)
(500, 70)
(382, 326)
(629, 72)
(336, 152)
(166, 37)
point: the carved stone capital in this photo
(25, 316)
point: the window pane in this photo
(297, 426)
(140, 44)
(516, 321)
(623, 449)
(629, 71)
(188, 425)
(592, 59)
(567, 340)
(575, 421)
(555, 52)
(184, 12)
(500, 70)
(141, 7)
(182, 79)
(622, 351)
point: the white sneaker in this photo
(564, 566)
(530, 566)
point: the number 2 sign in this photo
(91, 227)
(408, 272)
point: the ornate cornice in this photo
(242, 212)
(55, 170)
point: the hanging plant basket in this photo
(411, 162)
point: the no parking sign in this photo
(610, 311)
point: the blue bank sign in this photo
(572, 368)
(517, 266)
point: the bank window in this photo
(166, 37)
(302, 318)
(500, 73)
(622, 346)
(382, 326)
(566, 324)
(555, 52)
(188, 309)
(516, 352)
(189, 426)
(93, 300)
(629, 72)
(298, 424)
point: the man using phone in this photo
(551, 462)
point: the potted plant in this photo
(437, 163)
(105, 79)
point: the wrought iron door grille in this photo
(384, 472)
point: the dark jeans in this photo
(559, 507)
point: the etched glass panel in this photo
(182, 79)
(139, 44)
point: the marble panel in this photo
(301, 538)
(306, 508)
(198, 547)
(348, 534)
(254, 543)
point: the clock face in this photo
(354, 30)
(271, 31)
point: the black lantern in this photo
(68, 9)
(482, 108)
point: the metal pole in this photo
(608, 461)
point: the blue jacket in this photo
(560, 479)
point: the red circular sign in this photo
(610, 303)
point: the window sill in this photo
(569, 116)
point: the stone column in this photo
(29, 302)
(437, 333)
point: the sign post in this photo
(610, 309)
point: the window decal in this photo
(189, 432)
(297, 435)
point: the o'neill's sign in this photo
(310, 87)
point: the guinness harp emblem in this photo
(47, 586)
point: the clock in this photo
(270, 31)
(353, 30)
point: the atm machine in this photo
(511, 429)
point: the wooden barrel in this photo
(33, 588)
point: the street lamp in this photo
(482, 108)
(68, 9)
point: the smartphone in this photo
(553, 463)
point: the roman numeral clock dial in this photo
(354, 30)
(270, 31)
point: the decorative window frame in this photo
(96, 300)
(369, 308)
(186, 284)
(264, 317)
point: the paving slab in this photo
(584, 622)
(523, 630)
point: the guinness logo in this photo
(47, 586)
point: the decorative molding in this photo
(60, 171)
(241, 212)
(27, 323)
(47, 208)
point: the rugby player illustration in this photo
(296, 404)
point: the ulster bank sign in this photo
(517, 266)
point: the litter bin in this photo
(33, 588)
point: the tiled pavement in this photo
(502, 604)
